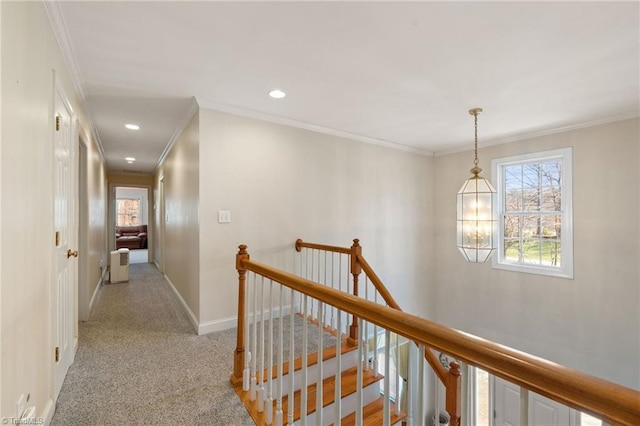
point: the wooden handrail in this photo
(335, 249)
(438, 368)
(612, 402)
(451, 378)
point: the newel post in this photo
(356, 269)
(453, 387)
(238, 357)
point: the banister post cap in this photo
(242, 254)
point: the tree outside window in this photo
(534, 192)
(128, 211)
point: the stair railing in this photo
(608, 401)
(450, 377)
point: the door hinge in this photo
(57, 123)
(57, 353)
(57, 238)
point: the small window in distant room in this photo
(128, 211)
(535, 213)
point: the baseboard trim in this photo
(97, 289)
(231, 322)
(181, 301)
(47, 413)
(155, 262)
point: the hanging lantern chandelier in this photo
(476, 205)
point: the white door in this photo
(541, 411)
(65, 209)
(506, 403)
(544, 411)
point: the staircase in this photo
(372, 399)
(355, 320)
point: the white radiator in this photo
(119, 270)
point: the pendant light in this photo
(476, 202)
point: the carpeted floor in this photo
(140, 363)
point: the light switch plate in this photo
(224, 216)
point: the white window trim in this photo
(566, 270)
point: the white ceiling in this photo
(401, 73)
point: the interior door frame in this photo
(83, 299)
(112, 216)
(65, 358)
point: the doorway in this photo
(132, 226)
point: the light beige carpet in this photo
(140, 363)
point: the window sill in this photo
(534, 269)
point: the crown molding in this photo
(193, 109)
(546, 132)
(56, 19)
(244, 112)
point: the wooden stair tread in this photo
(373, 413)
(348, 379)
(312, 359)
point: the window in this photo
(535, 218)
(128, 211)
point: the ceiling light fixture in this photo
(277, 94)
(132, 126)
(476, 205)
(130, 159)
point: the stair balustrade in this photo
(323, 382)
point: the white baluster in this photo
(386, 416)
(437, 399)
(524, 407)
(397, 373)
(420, 396)
(319, 417)
(254, 343)
(409, 383)
(326, 283)
(338, 398)
(269, 407)
(291, 363)
(375, 342)
(333, 309)
(303, 393)
(359, 396)
(366, 326)
(246, 373)
(278, 419)
(260, 371)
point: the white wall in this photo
(136, 194)
(29, 54)
(181, 230)
(591, 323)
(281, 183)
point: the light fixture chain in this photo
(475, 161)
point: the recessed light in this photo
(130, 159)
(132, 126)
(277, 94)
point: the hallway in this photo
(139, 362)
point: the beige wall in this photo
(281, 183)
(181, 236)
(130, 179)
(592, 322)
(27, 202)
(96, 258)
